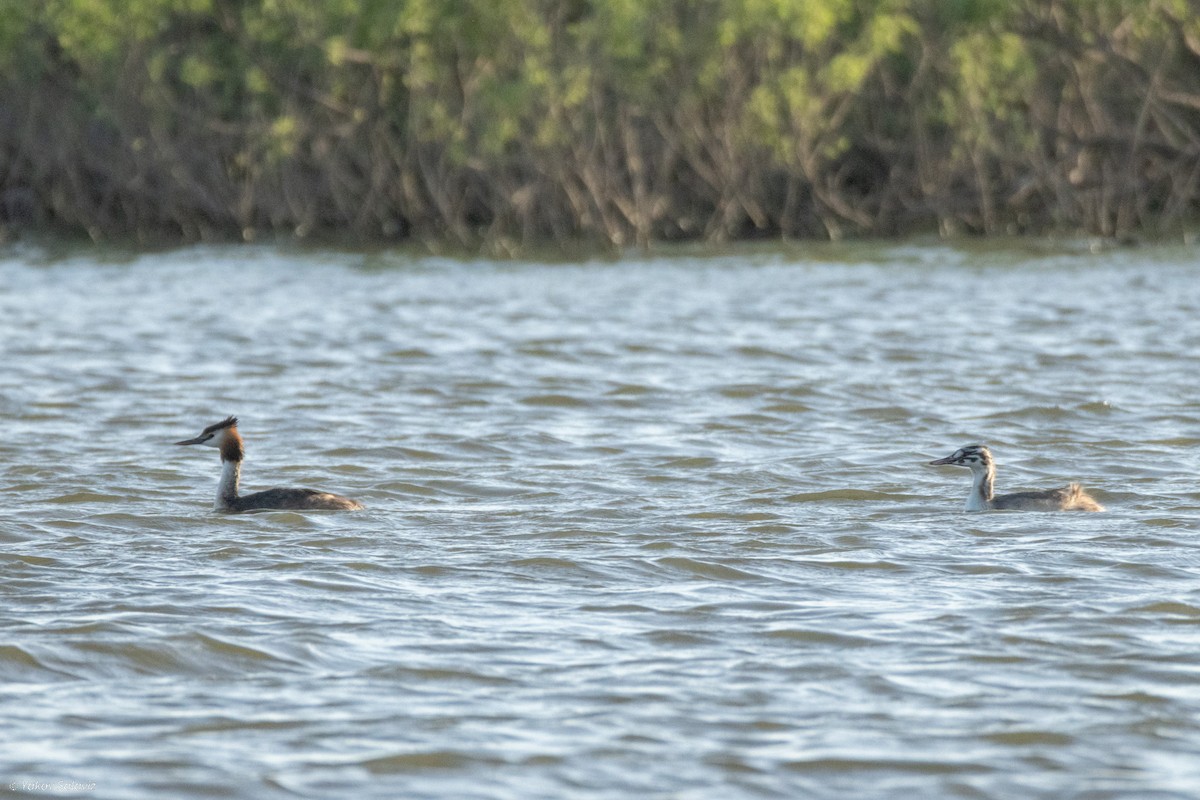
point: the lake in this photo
(660, 526)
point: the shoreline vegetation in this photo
(504, 124)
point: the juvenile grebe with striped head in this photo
(983, 473)
(225, 437)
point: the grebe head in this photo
(975, 456)
(223, 435)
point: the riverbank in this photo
(504, 125)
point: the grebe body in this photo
(978, 459)
(225, 437)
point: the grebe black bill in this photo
(983, 473)
(225, 437)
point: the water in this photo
(654, 528)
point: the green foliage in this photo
(995, 75)
(17, 35)
(96, 32)
(598, 115)
(818, 55)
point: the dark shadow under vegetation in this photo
(503, 124)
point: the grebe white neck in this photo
(227, 487)
(982, 481)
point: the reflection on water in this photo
(660, 527)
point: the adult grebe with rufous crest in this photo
(225, 437)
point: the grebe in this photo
(224, 435)
(983, 471)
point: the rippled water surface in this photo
(659, 527)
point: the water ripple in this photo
(649, 528)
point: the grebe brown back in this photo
(983, 472)
(224, 436)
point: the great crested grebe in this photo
(224, 436)
(983, 472)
